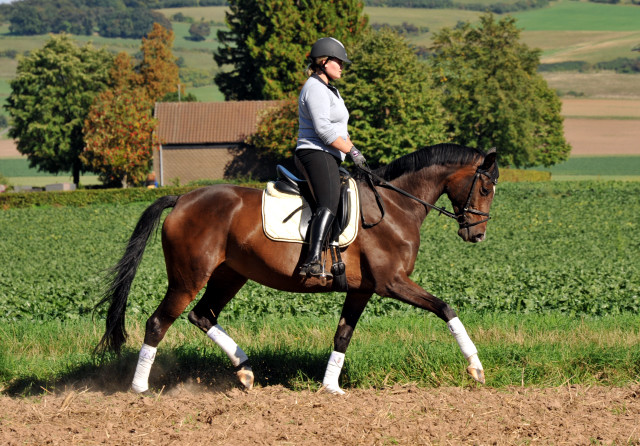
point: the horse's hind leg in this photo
(352, 309)
(222, 287)
(171, 307)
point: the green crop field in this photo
(549, 249)
(551, 296)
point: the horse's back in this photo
(213, 203)
(200, 223)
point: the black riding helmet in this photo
(329, 47)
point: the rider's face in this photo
(333, 67)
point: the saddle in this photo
(288, 183)
(287, 211)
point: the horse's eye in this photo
(484, 191)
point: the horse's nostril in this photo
(478, 237)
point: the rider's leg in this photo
(321, 172)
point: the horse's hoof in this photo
(476, 374)
(245, 375)
(146, 393)
(332, 390)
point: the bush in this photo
(85, 197)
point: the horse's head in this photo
(471, 193)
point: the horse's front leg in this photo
(353, 307)
(405, 290)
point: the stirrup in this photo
(308, 270)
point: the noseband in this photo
(461, 217)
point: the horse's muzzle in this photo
(471, 234)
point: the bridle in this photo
(460, 217)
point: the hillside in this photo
(565, 31)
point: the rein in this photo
(460, 218)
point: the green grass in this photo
(597, 167)
(19, 167)
(18, 173)
(567, 15)
(533, 350)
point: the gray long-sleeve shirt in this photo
(322, 117)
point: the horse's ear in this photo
(489, 159)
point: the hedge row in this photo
(520, 175)
(85, 197)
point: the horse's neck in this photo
(427, 184)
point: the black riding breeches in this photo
(320, 169)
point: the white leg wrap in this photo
(331, 375)
(145, 361)
(464, 341)
(228, 345)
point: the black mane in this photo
(439, 154)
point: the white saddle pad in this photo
(286, 217)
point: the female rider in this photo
(323, 142)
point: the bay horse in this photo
(213, 237)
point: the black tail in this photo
(121, 275)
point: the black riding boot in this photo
(318, 230)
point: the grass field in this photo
(534, 350)
(567, 15)
(566, 30)
(599, 167)
(551, 297)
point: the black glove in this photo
(357, 157)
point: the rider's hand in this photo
(357, 157)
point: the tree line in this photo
(108, 18)
(81, 109)
(625, 65)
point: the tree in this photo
(158, 69)
(119, 131)
(199, 31)
(494, 94)
(393, 106)
(49, 101)
(266, 43)
(277, 131)
(120, 137)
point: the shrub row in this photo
(86, 197)
(520, 175)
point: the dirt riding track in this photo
(273, 415)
